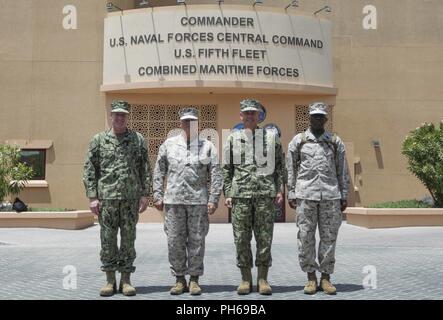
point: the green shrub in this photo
(13, 173)
(423, 148)
(402, 204)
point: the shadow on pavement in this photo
(348, 287)
(218, 288)
(205, 289)
(153, 289)
(228, 288)
(285, 289)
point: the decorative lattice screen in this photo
(302, 118)
(156, 121)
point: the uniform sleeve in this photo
(216, 177)
(279, 173)
(228, 167)
(291, 161)
(160, 171)
(91, 169)
(343, 173)
(145, 169)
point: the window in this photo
(36, 159)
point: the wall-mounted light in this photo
(325, 8)
(292, 4)
(257, 2)
(112, 7)
(143, 3)
(376, 143)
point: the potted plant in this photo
(13, 177)
(13, 173)
(423, 148)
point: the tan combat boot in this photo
(326, 285)
(125, 285)
(111, 287)
(180, 286)
(245, 286)
(311, 286)
(263, 286)
(194, 288)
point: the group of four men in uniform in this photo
(118, 179)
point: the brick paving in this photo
(408, 264)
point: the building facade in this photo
(376, 63)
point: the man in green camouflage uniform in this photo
(318, 183)
(253, 170)
(117, 180)
(187, 163)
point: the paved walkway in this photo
(408, 263)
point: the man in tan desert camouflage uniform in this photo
(318, 183)
(187, 163)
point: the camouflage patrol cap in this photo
(120, 106)
(250, 105)
(188, 114)
(318, 108)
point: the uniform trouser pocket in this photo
(306, 220)
(115, 215)
(327, 215)
(248, 216)
(329, 222)
(186, 227)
